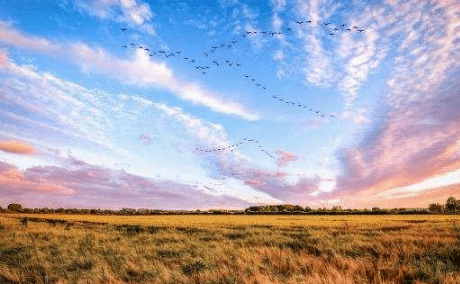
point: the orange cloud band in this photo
(17, 147)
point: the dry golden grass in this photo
(273, 220)
(230, 249)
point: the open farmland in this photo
(229, 249)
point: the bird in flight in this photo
(123, 29)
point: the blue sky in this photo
(228, 104)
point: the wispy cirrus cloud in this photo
(133, 13)
(417, 138)
(278, 5)
(17, 147)
(31, 100)
(318, 69)
(146, 139)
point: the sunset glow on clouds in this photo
(17, 147)
(88, 118)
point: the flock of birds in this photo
(330, 28)
(233, 147)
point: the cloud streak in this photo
(17, 147)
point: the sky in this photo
(229, 104)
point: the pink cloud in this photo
(417, 200)
(10, 36)
(415, 143)
(4, 60)
(16, 147)
(89, 186)
(276, 185)
(285, 157)
(13, 180)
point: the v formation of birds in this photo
(331, 30)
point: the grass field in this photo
(230, 249)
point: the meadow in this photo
(53, 248)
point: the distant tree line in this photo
(452, 205)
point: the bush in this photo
(15, 207)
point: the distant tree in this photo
(15, 207)
(307, 208)
(375, 210)
(384, 211)
(458, 205)
(451, 204)
(337, 209)
(297, 208)
(59, 210)
(436, 207)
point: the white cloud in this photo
(131, 12)
(278, 5)
(139, 70)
